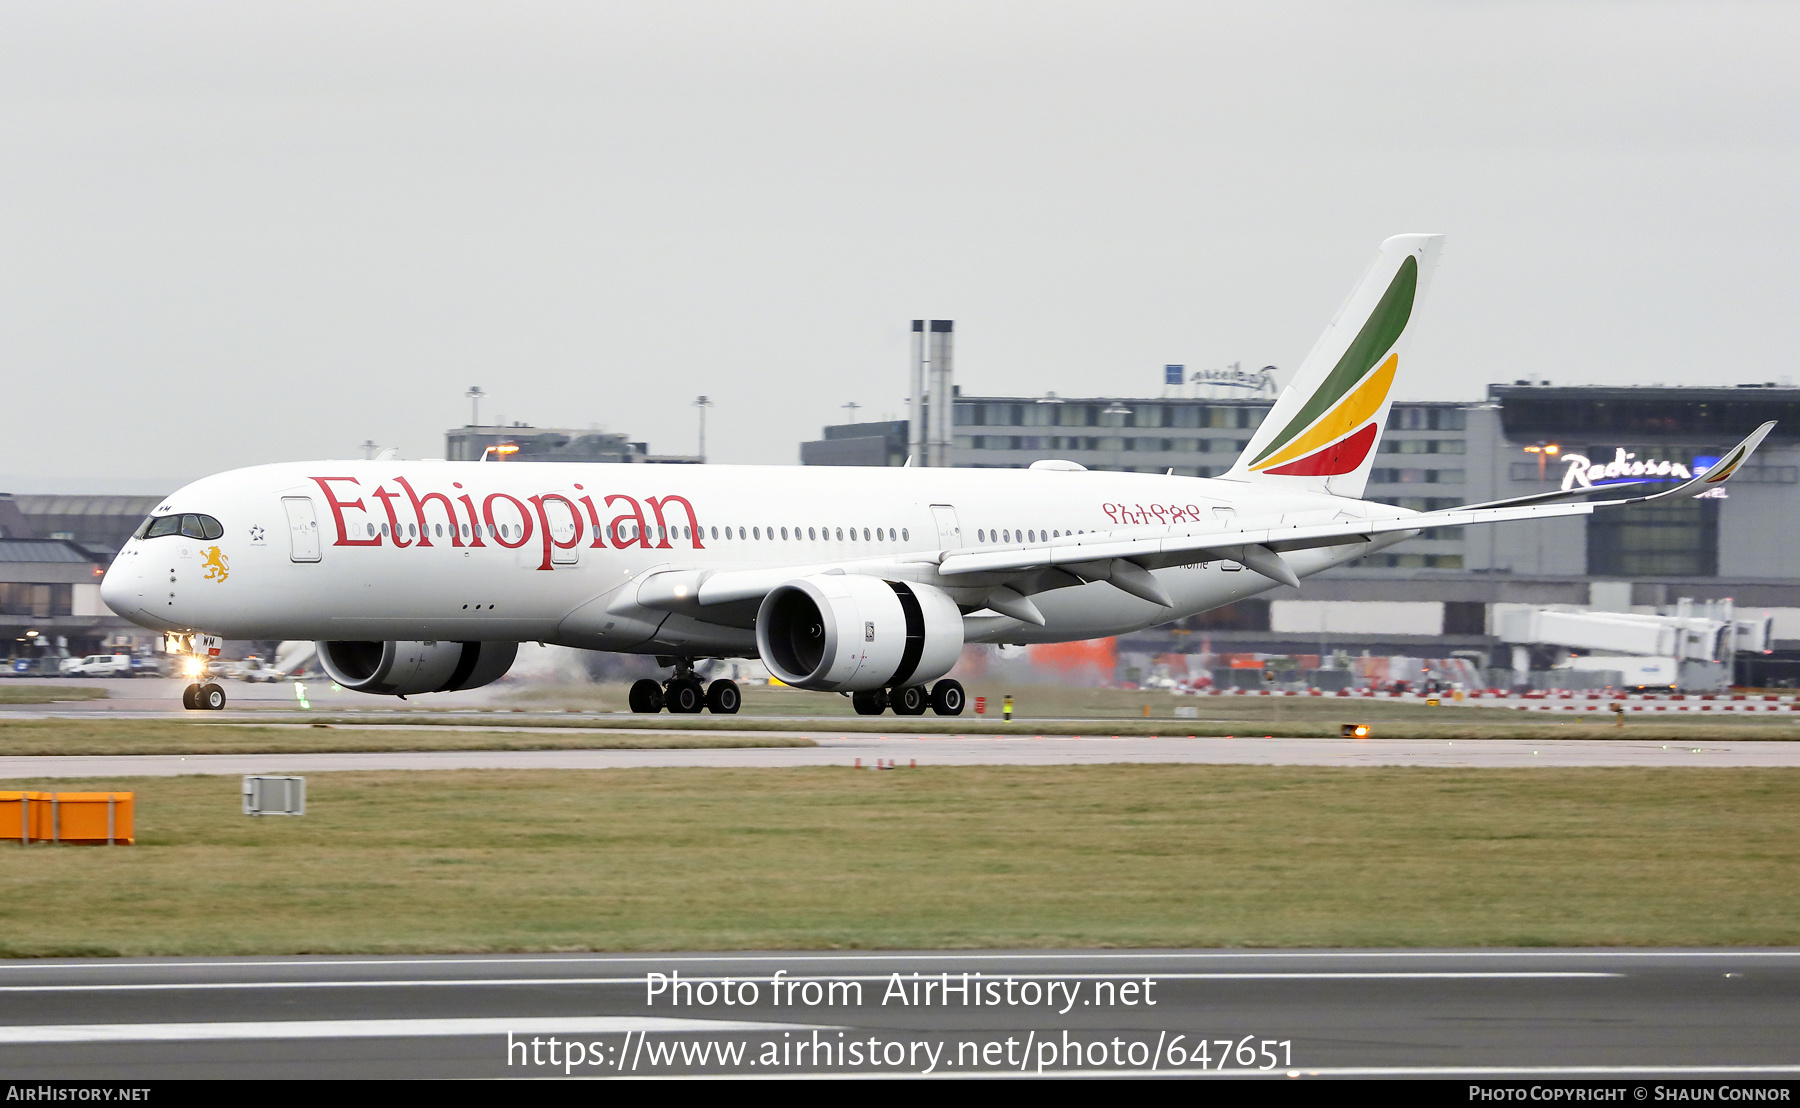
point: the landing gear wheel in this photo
(646, 696)
(871, 703)
(723, 698)
(190, 698)
(947, 698)
(910, 701)
(210, 698)
(683, 696)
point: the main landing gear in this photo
(683, 694)
(946, 698)
(203, 698)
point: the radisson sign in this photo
(1583, 472)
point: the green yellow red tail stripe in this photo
(1332, 432)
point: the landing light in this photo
(1353, 730)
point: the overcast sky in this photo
(235, 233)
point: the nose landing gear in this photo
(198, 650)
(208, 697)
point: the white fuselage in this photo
(553, 552)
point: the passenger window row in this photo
(195, 526)
(1014, 534)
(814, 534)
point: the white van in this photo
(97, 665)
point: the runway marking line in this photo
(995, 956)
(443, 982)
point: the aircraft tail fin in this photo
(1321, 434)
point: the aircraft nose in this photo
(122, 589)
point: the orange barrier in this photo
(95, 818)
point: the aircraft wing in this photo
(1695, 486)
(1260, 548)
(1177, 545)
(1124, 555)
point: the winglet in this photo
(1719, 473)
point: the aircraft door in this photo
(303, 529)
(948, 529)
(566, 529)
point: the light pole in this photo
(702, 403)
(474, 394)
(1544, 451)
(851, 408)
(368, 449)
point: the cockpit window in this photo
(191, 525)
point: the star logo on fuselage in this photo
(256, 536)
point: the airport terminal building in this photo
(1440, 592)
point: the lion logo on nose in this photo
(216, 564)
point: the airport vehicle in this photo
(98, 665)
(253, 670)
(418, 577)
(142, 666)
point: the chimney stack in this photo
(942, 394)
(915, 424)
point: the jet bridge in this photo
(1691, 649)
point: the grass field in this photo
(47, 694)
(1166, 855)
(184, 735)
(341, 734)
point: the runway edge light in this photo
(1353, 730)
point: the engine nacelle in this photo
(850, 633)
(404, 668)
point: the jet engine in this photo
(403, 668)
(851, 633)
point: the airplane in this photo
(424, 576)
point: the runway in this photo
(934, 750)
(1492, 1013)
(154, 698)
